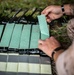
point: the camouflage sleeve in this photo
(72, 9)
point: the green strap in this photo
(23, 66)
(43, 27)
(7, 35)
(15, 40)
(34, 68)
(25, 37)
(45, 65)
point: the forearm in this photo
(69, 9)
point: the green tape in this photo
(7, 35)
(25, 37)
(34, 36)
(15, 40)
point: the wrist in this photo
(56, 55)
(67, 9)
(56, 52)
